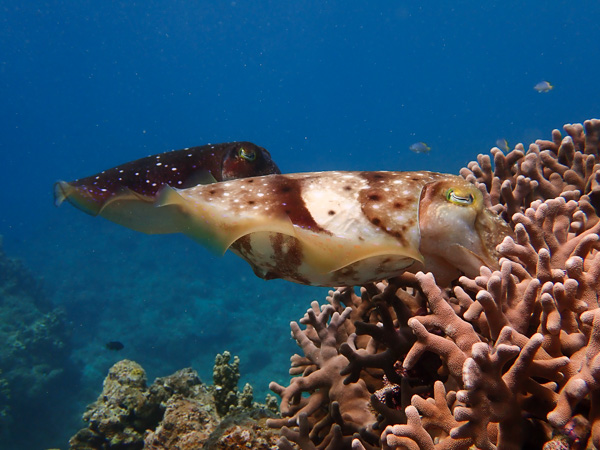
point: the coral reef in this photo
(4, 399)
(178, 411)
(507, 359)
(225, 380)
(35, 350)
(123, 412)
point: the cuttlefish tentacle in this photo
(126, 194)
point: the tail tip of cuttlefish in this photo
(60, 192)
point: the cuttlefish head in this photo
(245, 159)
(458, 233)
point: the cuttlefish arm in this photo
(458, 233)
(126, 194)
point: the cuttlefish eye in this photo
(463, 200)
(248, 155)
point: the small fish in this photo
(502, 144)
(343, 228)
(114, 346)
(419, 147)
(125, 194)
(543, 86)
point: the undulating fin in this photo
(201, 177)
(124, 195)
(77, 196)
(215, 228)
(61, 192)
(328, 255)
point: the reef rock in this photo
(178, 411)
(35, 347)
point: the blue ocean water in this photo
(321, 84)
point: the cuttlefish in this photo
(126, 194)
(342, 228)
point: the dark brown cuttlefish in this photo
(126, 194)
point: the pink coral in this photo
(346, 405)
(507, 359)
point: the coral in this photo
(186, 423)
(122, 413)
(32, 330)
(507, 359)
(244, 429)
(34, 356)
(225, 381)
(545, 171)
(178, 411)
(4, 399)
(332, 404)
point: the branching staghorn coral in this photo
(513, 355)
(546, 170)
(332, 404)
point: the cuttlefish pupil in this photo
(458, 199)
(248, 155)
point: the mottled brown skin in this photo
(378, 205)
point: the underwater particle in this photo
(114, 346)
(419, 147)
(543, 86)
(502, 144)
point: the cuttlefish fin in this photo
(216, 228)
(61, 192)
(66, 191)
(328, 254)
(86, 202)
(200, 177)
(123, 196)
(125, 207)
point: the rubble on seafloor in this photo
(175, 412)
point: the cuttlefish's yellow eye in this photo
(459, 199)
(248, 155)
